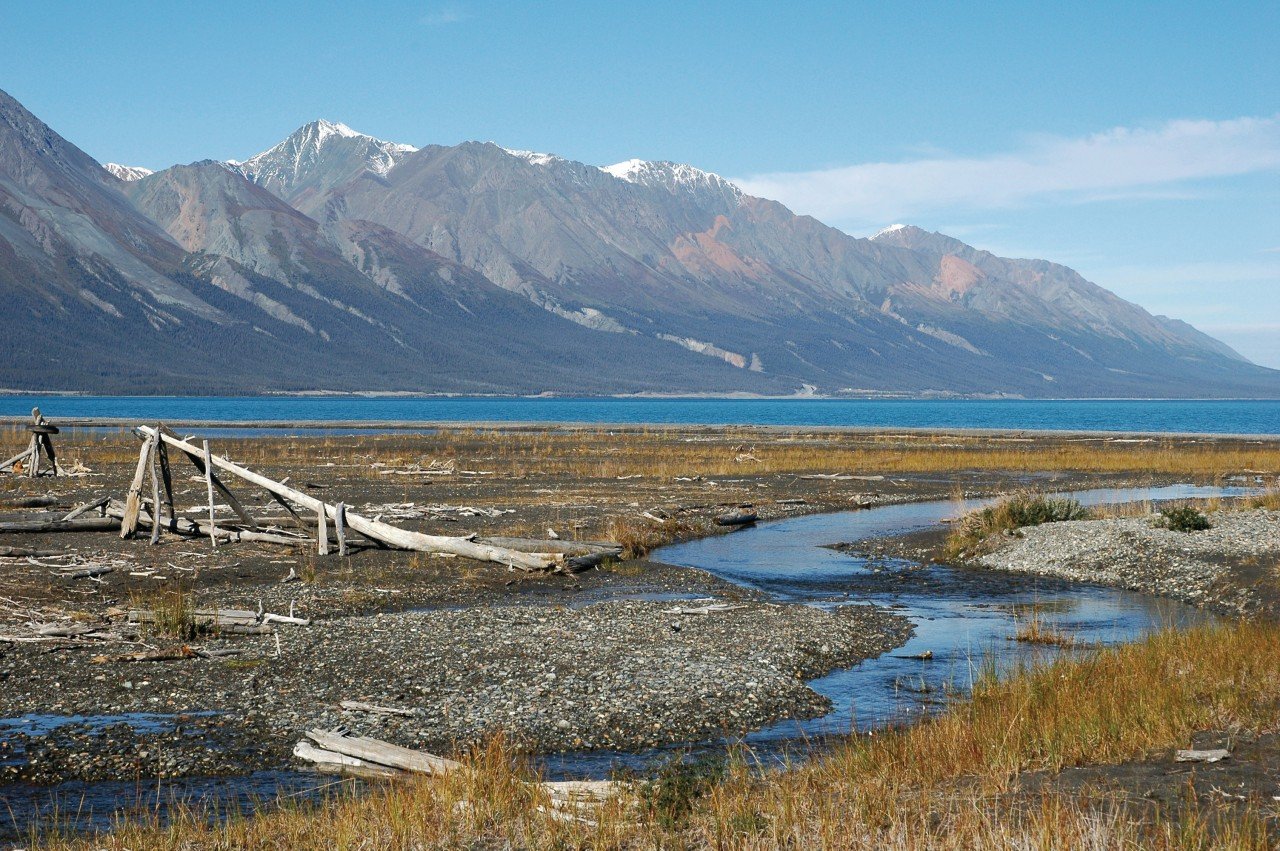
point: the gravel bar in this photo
(1209, 568)
(619, 675)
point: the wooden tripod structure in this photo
(28, 460)
(153, 459)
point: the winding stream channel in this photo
(963, 620)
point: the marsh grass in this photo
(640, 536)
(1010, 514)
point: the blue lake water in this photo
(376, 413)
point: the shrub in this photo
(1013, 512)
(1183, 518)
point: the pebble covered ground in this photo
(623, 675)
(1223, 568)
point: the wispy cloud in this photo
(443, 17)
(1119, 163)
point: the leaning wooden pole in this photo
(208, 480)
(373, 529)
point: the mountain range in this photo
(338, 261)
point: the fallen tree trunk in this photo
(373, 529)
(202, 529)
(79, 524)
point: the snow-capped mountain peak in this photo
(890, 229)
(669, 175)
(127, 172)
(534, 157)
(320, 152)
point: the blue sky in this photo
(1140, 145)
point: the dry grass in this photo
(945, 783)
(662, 452)
(639, 536)
(1269, 500)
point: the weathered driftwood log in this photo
(373, 529)
(332, 761)
(133, 498)
(28, 552)
(29, 501)
(91, 572)
(92, 505)
(383, 753)
(739, 518)
(79, 524)
(167, 655)
(200, 528)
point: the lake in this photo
(1171, 416)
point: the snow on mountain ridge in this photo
(127, 172)
(668, 174)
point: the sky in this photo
(1138, 143)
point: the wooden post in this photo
(166, 477)
(133, 501)
(340, 527)
(155, 495)
(322, 531)
(208, 480)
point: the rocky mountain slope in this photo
(335, 260)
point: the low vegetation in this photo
(1009, 514)
(1183, 518)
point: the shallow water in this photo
(963, 617)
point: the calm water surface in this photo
(1192, 416)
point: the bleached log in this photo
(376, 530)
(340, 527)
(741, 518)
(89, 572)
(541, 545)
(383, 753)
(198, 528)
(268, 617)
(79, 524)
(1212, 755)
(15, 459)
(168, 655)
(322, 531)
(335, 762)
(155, 492)
(100, 502)
(208, 480)
(133, 499)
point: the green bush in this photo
(1183, 518)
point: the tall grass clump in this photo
(1013, 512)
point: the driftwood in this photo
(28, 552)
(79, 524)
(168, 655)
(1213, 755)
(383, 753)
(30, 502)
(326, 760)
(91, 572)
(740, 518)
(573, 800)
(373, 529)
(100, 502)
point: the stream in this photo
(963, 621)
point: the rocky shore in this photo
(1228, 568)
